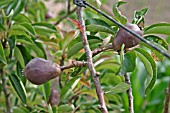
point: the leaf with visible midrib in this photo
(121, 87)
(97, 25)
(129, 63)
(18, 87)
(121, 18)
(160, 28)
(150, 66)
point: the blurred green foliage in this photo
(27, 33)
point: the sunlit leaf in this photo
(161, 43)
(5, 3)
(20, 18)
(159, 28)
(65, 108)
(68, 38)
(120, 88)
(90, 92)
(18, 87)
(19, 57)
(97, 25)
(150, 66)
(121, 18)
(139, 15)
(24, 27)
(43, 28)
(24, 39)
(17, 6)
(78, 46)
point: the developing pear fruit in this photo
(38, 71)
(124, 37)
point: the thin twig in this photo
(129, 93)
(74, 64)
(68, 6)
(167, 99)
(8, 108)
(65, 16)
(99, 50)
(99, 90)
(61, 64)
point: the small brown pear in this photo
(38, 71)
(54, 98)
(126, 38)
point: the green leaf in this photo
(19, 73)
(121, 18)
(78, 46)
(24, 39)
(159, 28)
(47, 86)
(25, 53)
(91, 92)
(97, 25)
(36, 48)
(24, 27)
(129, 63)
(150, 66)
(2, 54)
(68, 38)
(65, 108)
(18, 87)
(139, 15)
(120, 88)
(161, 43)
(16, 6)
(69, 85)
(43, 28)
(158, 40)
(113, 79)
(19, 57)
(12, 42)
(21, 18)
(5, 3)
(2, 28)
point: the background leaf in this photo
(2, 54)
(121, 87)
(18, 87)
(70, 84)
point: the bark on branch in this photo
(129, 93)
(99, 90)
(8, 108)
(167, 99)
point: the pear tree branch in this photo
(99, 90)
